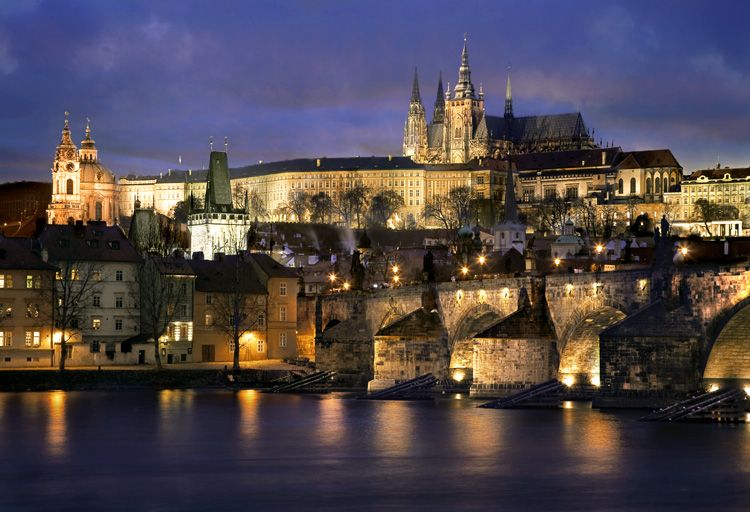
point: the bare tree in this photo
(707, 212)
(351, 204)
(552, 212)
(321, 208)
(383, 206)
(245, 197)
(161, 285)
(453, 210)
(241, 308)
(73, 290)
(297, 205)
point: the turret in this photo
(438, 114)
(508, 99)
(464, 87)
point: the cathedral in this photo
(460, 129)
(82, 188)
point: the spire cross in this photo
(66, 118)
(226, 144)
(211, 143)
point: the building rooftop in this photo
(94, 241)
(17, 253)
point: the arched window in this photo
(632, 186)
(648, 185)
(666, 184)
(620, 186)
(657, 185)
(98, 208)
(69, 186)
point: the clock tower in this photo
(65, 207)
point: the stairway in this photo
(304, 383)
(722, 405)
(404, 389)
(535, 395)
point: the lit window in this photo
(6, 338)
(209, 319)
(29, 281)
(74, 275)
(6, 281)
(282, 313)
(282, 339)
(261, 346)
(96, 323)
(33, 338)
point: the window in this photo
(118, 301)
(282, 289)
(632, 186)
(33, 338)
(118, 275)
(282, 313)
(69, 186)
(96, 323)
(6, 281)
(209, 299)
(30, 281)
(183, 309)
(261, 320)
(282, 339)
(571, 192)
(74, 274)
(96, 275)
(97, 301)
(118, 324)
(261, 346)
(6, 338)
(74, 323)
(114, 244)
(550, 193)
(32, 310)
(95, 347)
(648, 185)
(209, 320)
(620, 186)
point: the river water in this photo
(223, 450)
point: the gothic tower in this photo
(508, 99)
(65, 206)
(415, 128)
(462, 114)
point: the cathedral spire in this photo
(508, 98)
(511, 209)
(438, 115)
(66, 140)
(88, 151)
(415, 97)
(464, 87)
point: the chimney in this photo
(218, 256)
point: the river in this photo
(222, 450)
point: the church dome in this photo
(94, 172)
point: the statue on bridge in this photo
(357, 271)
(665, 227)
(428, 267)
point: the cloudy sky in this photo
(312, 78)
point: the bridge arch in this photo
(729, 354)
(579, 350)
(472, 321)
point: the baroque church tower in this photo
(65, 207)
(415, 128)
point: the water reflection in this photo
(592, 445)
(175, 407)
(248, 401)
(331, 429)
(393, 428)
(56, 423)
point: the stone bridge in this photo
(581, 306)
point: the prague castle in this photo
(461, 130)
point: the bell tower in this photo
(66, 206)
(462, 113)
(415, 128)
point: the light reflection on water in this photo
(200, 450)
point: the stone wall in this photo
(306, 328)
(398, 359)
(346, 348)
(504, 365)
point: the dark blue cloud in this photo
(308, 78)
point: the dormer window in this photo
(114, 244)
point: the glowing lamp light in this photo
(506, 293)
(642, 284)
(599, 248)
(568, 380)
(713, 387)
(396, 279)
(459, 375)
(332, 278)
(482, 259)
(57, 336)
(347, 285)
(395, 269)
(569, 289)
(595, 381)
(557, 262)
(683, 251)
(747, 390)
(464, 270)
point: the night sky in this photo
(287, 79)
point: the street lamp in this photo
(683, 251)
(557, 262)
(395, 279)
(599, 248)
(346, 285)
(395, 269)
(482, 259)
(332, 277)
(464, 270)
